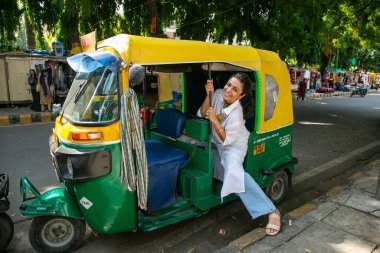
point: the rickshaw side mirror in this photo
(136, 74)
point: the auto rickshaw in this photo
(124, 169)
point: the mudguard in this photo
(55, 202)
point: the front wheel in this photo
(56, 234)
(277, 188)
(6, 231)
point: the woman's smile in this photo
(232, 90)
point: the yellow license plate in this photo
(259, 149)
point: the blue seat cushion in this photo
(163, 164)
(170, 122)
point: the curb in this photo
(26, 118)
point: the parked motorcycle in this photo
(6, 223)
(357, 90)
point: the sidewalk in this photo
(22, 114)
(345, 220)
(333, 94)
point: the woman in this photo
(302, 89)
(33, 80)
(231, 140)
(45, 95)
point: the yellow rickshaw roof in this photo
(154, 51)
(148, 50)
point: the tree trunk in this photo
(30, 36)
(73, 11)
(153, 17)
(75, 37)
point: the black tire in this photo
(352, 93)
(6, 231)
(278, 187)
(56, 234)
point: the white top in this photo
(234, 148)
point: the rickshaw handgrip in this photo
(26, 184)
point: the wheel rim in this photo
(278, 188)
(57, 233)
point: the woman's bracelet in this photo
(220, 130)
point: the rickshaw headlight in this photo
(75, 165)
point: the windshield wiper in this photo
(82, 86)
(80, 91)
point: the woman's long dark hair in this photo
(246, 101)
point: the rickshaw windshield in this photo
(93, 97)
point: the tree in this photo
(9, 21)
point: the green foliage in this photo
(297, 30)
(9, 22)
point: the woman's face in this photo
(233, 90)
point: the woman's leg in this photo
(254, 198)
(258, 204)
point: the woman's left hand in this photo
(212, 115)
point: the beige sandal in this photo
(274, 216)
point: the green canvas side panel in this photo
(183, 90)
(258, 100)
(197, 129)
(268, 151)
(113, 208)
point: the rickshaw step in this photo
(181, 211)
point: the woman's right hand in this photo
(209, 87)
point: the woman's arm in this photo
(220, 131)
(206, 103)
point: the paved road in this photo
(25, 152)
(324, 130)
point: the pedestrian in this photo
(331, 81)
(377, 82)
(227, 114)
(32, 81)
(51, 84)
(302, 89)
(45, 95)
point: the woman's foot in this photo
(274, 223)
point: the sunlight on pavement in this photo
(315, 123)
(349, 246)
(338, 116)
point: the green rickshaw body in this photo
(87, 144)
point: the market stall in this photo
(14, 71)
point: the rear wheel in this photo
(277, 188)
(6, 231)
(56, 234)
